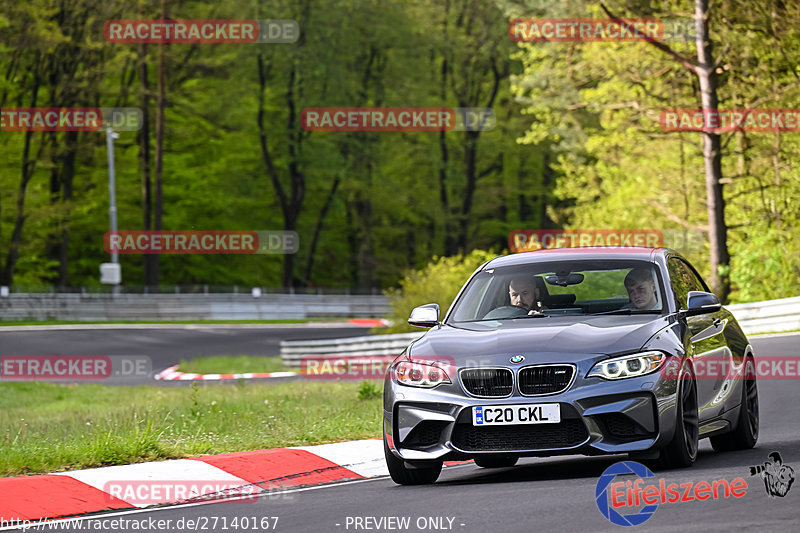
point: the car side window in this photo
(697, 280)
(683, 280)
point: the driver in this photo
(523, 292)
(641, 290)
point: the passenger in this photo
(641, 290)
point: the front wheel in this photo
(410, 476)
(745, 435)
(682, 450)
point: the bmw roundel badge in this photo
(517, 359)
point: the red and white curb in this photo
(369, 322)
(146, 484)
(173, 374)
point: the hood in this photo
(543, 339)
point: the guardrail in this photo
(102, 307)
(293, 351)
(768, 316)
(758, 317)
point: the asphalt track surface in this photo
(165, 345)
(547, 494)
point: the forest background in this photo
(577, 142)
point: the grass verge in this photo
(233, 364)
(46, 427)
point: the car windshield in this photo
(543, 290)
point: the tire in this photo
(410, 476)
(681, 452)
(745, 435)
(502, 461)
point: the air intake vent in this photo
(488, 382)
(545, 379)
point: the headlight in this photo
(416, 374)
(628, 366)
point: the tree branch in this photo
(675, 218)
(688, 64)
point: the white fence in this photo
(293, 351)
(769, 316)
(102, 307)
(758, 317)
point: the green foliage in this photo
(599, 105)
(382, 218)
(438, 282)
(369, 390)
(577, 142)
(765, 266)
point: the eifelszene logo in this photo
(641, 500)
(607, 505)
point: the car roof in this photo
(582, 253)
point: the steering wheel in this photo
(506, 311)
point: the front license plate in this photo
(500, 415)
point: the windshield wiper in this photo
(537, 314)
(628, 312)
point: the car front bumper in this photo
(597, 417)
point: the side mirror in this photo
(425, 316)
(701, 303)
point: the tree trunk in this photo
(547, 183)
(159, 156)
(27, 169)
(450, 237)
(318, 229)
(712, 150)
(471, 173)
(150, 276)
(471, 138)
(67, 178)
(450, 240)
(367, 267)
(292, 203)
(712, 155)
